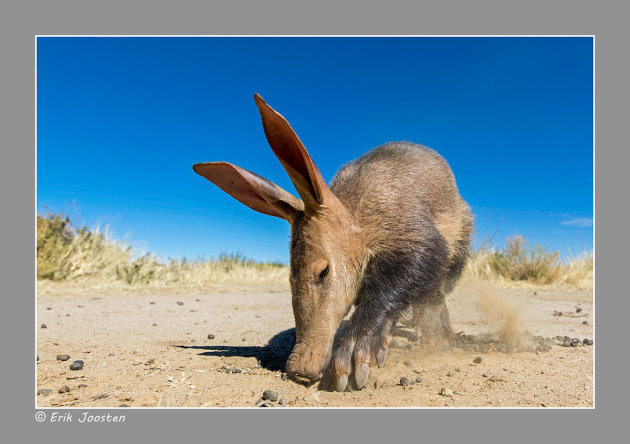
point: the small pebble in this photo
(123, 405)
(270, 395)
(449, 374)
(566, 343)
(198, 300)
(446, 392)
(210, 336)
(44, 392)
(150, 361)
(62, 357)
(262, 403)
(80, 386)
(477, 360)
(408, 363)
(37, 357)
(585, 322)
(101, 396)
(152, 303)
(180, 303)
(588, 342)
(64, 389)
(404, 381)
(484, 375)
(577, 310)
(44, 326)
(418, 379)
(76, 365)
(154, 324)
(48, 308)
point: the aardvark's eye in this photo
(323, 273)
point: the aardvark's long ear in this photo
(252, 190)
(288, 148)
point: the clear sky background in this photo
(121, 121)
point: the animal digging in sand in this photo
(390, 235)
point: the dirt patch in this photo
(148, 350)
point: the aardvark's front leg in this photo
(364, 343)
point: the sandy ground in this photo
(147, 350)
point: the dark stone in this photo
(180, 303)
(62, 357)
(44, 392)
(44, 326)
(270, 395)
(210, 336)
(404, 381)
(64, 389)
(418, 379)
(76, 365)
(408, 363)
(588, 342)
(477, 360)
(80, 386)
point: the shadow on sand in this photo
(272, 356)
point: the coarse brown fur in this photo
(390, 235)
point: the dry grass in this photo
(92, 259)
(69, 256)
(518, 262)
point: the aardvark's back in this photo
(397, 187)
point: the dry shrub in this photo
(519, 262)
(67, 253)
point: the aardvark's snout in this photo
(307, 362)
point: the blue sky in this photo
(121, 121)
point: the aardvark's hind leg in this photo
(434, 325)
